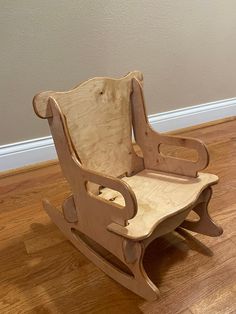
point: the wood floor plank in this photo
(171, 269)
(220, 301)
(187, 311)
(195, 290)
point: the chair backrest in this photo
(98, 117)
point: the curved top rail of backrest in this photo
(98, 117)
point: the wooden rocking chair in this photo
(121, 201)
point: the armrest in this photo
(173, 164)
(123, 213)
(192, 143)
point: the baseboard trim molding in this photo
(25, 153)
(194, 115)
(21, 154)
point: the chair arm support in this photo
(177, 165)
(129, 210)
(150, 141)
(192, 143)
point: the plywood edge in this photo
(40, 100)
(134, 233)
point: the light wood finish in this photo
(150, 142)
(115, 203)
(98, 117)
(204, 225)
(159, 196)
(41, 272)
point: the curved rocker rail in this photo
(134, 251)
(139, 283)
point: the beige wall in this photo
(186, 50)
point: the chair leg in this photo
(139, 282)
(143, 285)
(205, 225)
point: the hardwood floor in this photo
(41, 272)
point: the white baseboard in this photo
(24, 153)
(190, 116)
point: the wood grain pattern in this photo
(91, 127)
(42, 276)
(159, 196)
(98, 116)
(91, 214)
(150, 142)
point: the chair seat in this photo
(159, 196)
